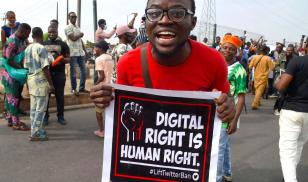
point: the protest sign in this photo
(158, 135)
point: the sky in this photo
(275, 19)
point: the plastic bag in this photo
(18, 74)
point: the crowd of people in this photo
(40, 65)
(281, 74)
(231, 64)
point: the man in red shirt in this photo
(174, 61)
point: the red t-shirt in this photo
(204, 70)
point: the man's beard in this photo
(171, 53)
(53, 39)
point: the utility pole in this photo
(94, 16)
(4, 18)
(57, 12)
(209, 15)
(79, 12)
(66, 12)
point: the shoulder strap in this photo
(258, 62)
(145, 67)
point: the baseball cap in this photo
(122, 29)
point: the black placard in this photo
(158, 138)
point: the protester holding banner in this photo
(237, 79)
(171, 61)
(175, 62)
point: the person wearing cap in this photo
(237, 80)
(262, 65)
(100, 33)
(142, 36)
(104, 68)
(126, 36)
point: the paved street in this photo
(74, 154)
(255, 154)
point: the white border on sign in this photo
(109, 113)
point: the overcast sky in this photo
(276, 19)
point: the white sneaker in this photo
(276, 112)
(227, 178)
(272, 96)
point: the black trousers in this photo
(58, 80)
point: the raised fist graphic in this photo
(132, 120)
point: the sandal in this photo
(21, 127)
(99, 133)
(39, 135)
(9, 122)
(37, 138)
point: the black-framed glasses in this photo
(174, 14)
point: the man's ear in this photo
(193, 22)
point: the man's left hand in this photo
(232, 127)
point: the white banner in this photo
(161, 135)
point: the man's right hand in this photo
(101, 95)
(52, 89)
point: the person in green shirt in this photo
(237, 79)
(54, 23)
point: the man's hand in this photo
(232, 127)
(80, 34)
(226, 108)
(52, 89)
(101, 95)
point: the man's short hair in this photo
(37, 32)
(52, 26)
(102, 45)
(279, 43)
(54, 21)
(143, 18)
(69, 14)
(101, 22)
(193, 5)
(9, 12)
(264, 49)
(193, 37)
(291, 45)
(24, 26)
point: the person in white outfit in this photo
(293, 121)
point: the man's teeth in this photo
(167, 33)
